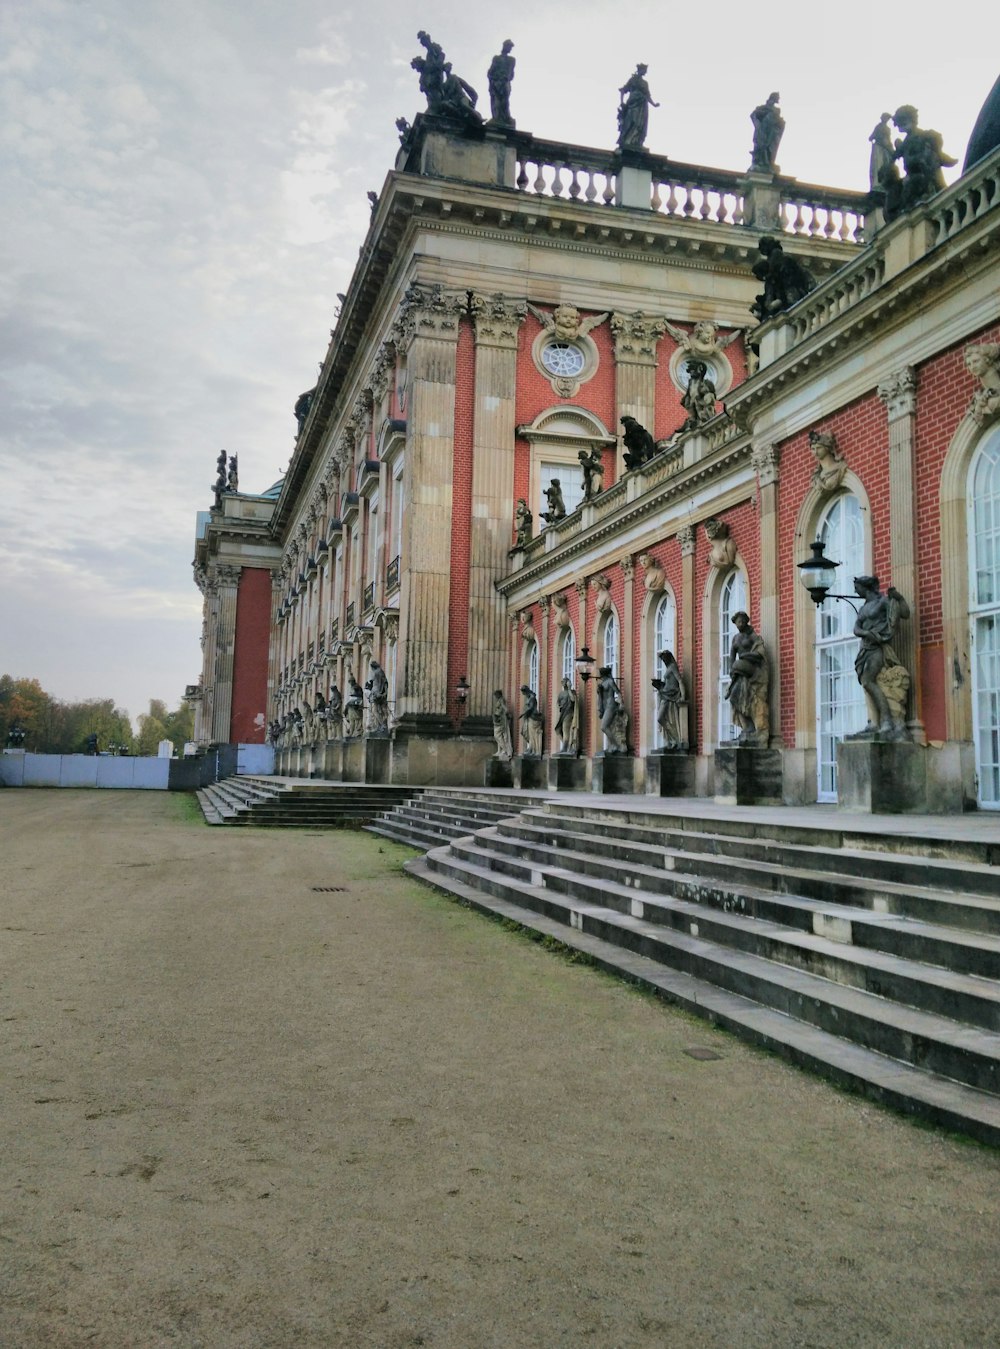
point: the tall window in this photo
(984, 614)
(372, 540)
(611, 643)
(568, 656)
(394, 547)
(731, 601)
(570, 477)
(533, 667)
(840, 700)
(664, 639)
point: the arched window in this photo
(568, 670)
(664, 639)
(984, 615)
(732, 599)
(840, 701)
(610, 646)
(532, 680)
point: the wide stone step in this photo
(931, 1096)
(413, 837)
(886, 845)
(975, 914)
(913, 1034)
(784, 847)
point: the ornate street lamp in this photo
(817, 575)
(462, 690)
(583, 663)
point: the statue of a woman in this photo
(567, 728)
(669, 700)
(749, 680)
(633, 110)
(611, 711)
(501, 727)
(531, 722)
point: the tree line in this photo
(52, 726)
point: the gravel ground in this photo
(243, 1111)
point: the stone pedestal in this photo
(498, 773)
(568, 773)
(530, 773)
(614, 774)
(377, 758)
(670, 773)
(746, 775)
(425, 759)
(353, 761)
(897, 778)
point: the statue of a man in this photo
(923, 157)
(557, 506)
(568, 726)
(500, 76)
(335, 714)
(593, 472)
(785, 280)
(640, 446)
(378, 698)
(669, 701)
(458, 99)
(522, 525)
(501, 727)
(749, 680)
(768, 128)
(634, 104)
(611, 711)
(430, 68)
(531, 722)
(881, 673)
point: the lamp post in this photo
(817, 575)
(461, 696)
(583, 663)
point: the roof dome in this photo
(274, 491)
(986, 133)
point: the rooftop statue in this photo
(634, 104)
(430, 68)
(768, 128)
(593, 472)
(302, 405)
(881, 673)
(500, 75)
(699, 398)
(883, 152)
(522, 525)
(923, 157)
(785, 280)
(220, 484)
(749, 680)
(640, 446)
(233, 477)
(557, 506)
(458, 99)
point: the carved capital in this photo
(382, 371)
(497, 320)
(390, 626)
(764, 459)
(628, 568)
(545, 604)
(899, 393)
(580, 586)
(227, 576)
(686, 539)
(427, 311)
(636, 336)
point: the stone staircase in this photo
(872, 959)
(439, 815)
(275, 804)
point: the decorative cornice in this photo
(899, 393)
(764, 459)
(636, 336)
(497, 320)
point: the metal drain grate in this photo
(328, 889)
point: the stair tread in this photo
(897, 1079)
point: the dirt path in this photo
(241, 1112)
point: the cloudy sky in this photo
(185, 194)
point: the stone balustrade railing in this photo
(686, 191)
(967, 200)
(844, 290)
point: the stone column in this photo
(765, 462)
(635, 338)
(427, 331)
(228, 579)
(686, 538)
(636, 707)
(899, 394)
(497, 321)
(588, 713)
(546, 684)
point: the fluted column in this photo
(427, 332)
(686, 538)
(228, 579)
(497, 321)
(765, 462)
(899, 394)
(545, 681)
(635, 337)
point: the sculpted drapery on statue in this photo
(567, 727)
(378, 698)
(611, 711)
(593, 472)
(501, 727)
(768, 128)
(531, 722)
(669, 700)
(634, 104)
(881, 674)
(500, 75)
(923, 157)
(749, 683)
(785, 279)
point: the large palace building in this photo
(466, 507)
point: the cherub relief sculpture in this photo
(653, 574)
(703, 341)
(831, 466)
(565, 322)
(722, 553)
(983, 361)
